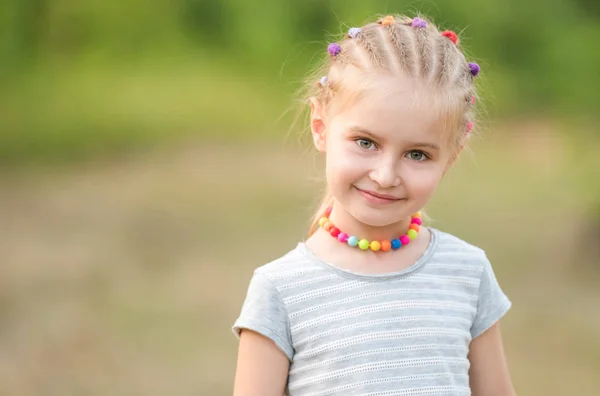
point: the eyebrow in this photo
(364, 131)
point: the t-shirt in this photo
(402, 333)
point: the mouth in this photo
(377, 197)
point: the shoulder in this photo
(450, 248)
(291, 265)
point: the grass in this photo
(119, 277)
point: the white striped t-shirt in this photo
(404, 333)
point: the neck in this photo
(351, 226)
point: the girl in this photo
(374, 303)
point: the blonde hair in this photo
(398, 46)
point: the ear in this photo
(317, 125)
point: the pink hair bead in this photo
(473, 100)
(469, 126)
(417, 221)
(343, 237)
(404, 239)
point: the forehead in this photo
(398, 108)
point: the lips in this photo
(373, 194)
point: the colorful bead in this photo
(469, 127)
(385, 245)
(363, 244)
(328, 212)
(375, 245)
(404, 239)
(412, 234)
(419, 23)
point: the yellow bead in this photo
(363, 244)
(412, 234)
(375, 246)
(322, 221)
(418, 214)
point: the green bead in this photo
(412, 234)
(363, 244)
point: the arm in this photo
(489, 372)
(262, 368)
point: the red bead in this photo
(334, 232)
(417, 221)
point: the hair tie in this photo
(469, 127)
(451, 35)
(323, 81)
(353, 32)
(419, 23)
(473, 99)
(474, 68)
(334, 49)
(388, 20)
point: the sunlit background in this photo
(147, 166)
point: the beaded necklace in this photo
(364, 244)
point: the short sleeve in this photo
(264, 312)
(492, 303)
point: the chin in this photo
(377, 217)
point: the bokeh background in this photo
(147, 166)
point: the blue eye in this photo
(417, 155)
(366, 144)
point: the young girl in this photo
(374, 303)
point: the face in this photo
(385, 155)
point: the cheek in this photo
(422, 181)
(343, 163)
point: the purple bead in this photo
(353, 32)
(343, 237)
(405, 239)
(396, 244)
(474, 68)
(334, 49)
(418, 22)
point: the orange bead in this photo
(414, 227)
(388, 20)
(328, 226)
(385, 245)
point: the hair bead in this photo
(474, 68)
(451, 36)
(418, 23)
(334, 49)
(353, 32)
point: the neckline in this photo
(309, 254)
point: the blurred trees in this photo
(537, 56)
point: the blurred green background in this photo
(147, 167)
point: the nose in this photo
(385, 174)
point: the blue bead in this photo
(396, 244)
(352, 241)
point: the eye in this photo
(366, 144)
(417, 155)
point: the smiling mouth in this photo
(376, 196)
